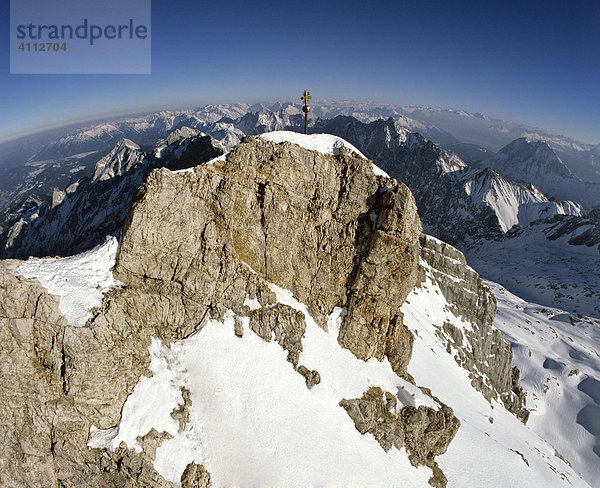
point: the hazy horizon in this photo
(143, 111)
(529, 64)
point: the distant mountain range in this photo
(531, 161)
(460, 201)
(457, 203)
(79, 217)
(459, 131)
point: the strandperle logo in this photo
(85, 30)
(80, 37)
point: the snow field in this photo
(551, 273)
(80, 281)
(558, 356)
(253, 421)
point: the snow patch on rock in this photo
(80, 281)
(324, 143)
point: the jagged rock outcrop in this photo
(424, 431)
(481, 349)
(283, 324)
(125, 156)
(195, 476)
(311, 377)
(338, 236)
(376, 413)
(188, 147)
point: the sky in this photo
(536, 63)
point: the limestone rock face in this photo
(45, 419)
(30, 380)
(284, 324)
(324, 227)
(482, 351)
(427, 434)
(125, 156)
(381, 282)
(375, 413)
(195, 476)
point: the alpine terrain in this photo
(222, 301)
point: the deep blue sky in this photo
(532, 62)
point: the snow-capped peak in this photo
(530, 156)
(533, 161)
(324, 143)
(124, 156)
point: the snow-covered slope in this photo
(324, 143)
(547, 263)
(253, 421)
(512, 203)
(534, 162)
(555, 351)
(558, 355)
(492, 448)
(79, 280)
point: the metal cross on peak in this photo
(306, 97)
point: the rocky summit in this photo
(304, 257)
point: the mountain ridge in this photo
(241, 264)
(534, 162)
